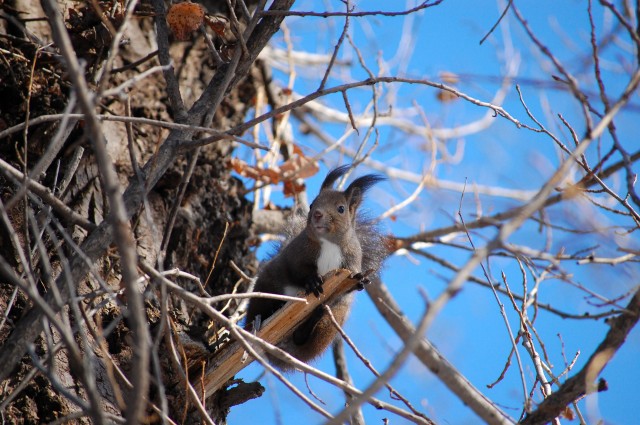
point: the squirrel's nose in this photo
(317, 214)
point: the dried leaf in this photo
(568, 413)
(244, 169)
(446, 96)
(299, 166)
(185, 18)
(217, 25)
(291, 188)
(271, 175)
(258, 174)
(449, 77)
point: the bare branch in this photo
(584, 382)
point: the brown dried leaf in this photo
(568, 413)
(291, 188)
(216, 24)
(185, 18)
(271, 175)
(244, 169)
(449, 77)
(299, 166)
(446, 96)
(258, 174)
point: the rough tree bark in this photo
(212, 221)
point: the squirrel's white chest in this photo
(330, 257)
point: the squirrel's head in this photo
(332, 215)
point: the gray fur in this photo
(332, 217)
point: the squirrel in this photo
(334, 236)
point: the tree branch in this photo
(97, 242)
(584, 381)
(228, 361)
(435, 361)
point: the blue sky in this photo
(470, 331)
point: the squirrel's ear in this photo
(354, 198)
(334, 175)
(356, 190)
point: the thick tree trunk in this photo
(212, 221)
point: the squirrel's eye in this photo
(341, 209)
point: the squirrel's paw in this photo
(362, 280)
(314, 285)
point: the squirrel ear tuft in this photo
(334, 175)
(356, 190)
(365, 182)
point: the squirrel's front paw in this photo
(362, 280)
(314, 285)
